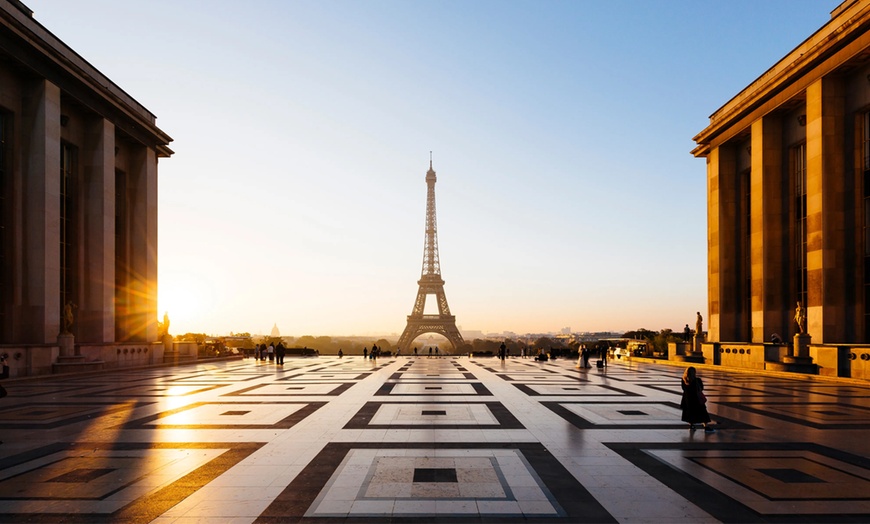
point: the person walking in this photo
(694, 402)
(271, 352)
(365, 352)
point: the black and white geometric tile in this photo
(443, 439)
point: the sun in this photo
(182, 296)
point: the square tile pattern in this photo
(441, 439)
(376, 482)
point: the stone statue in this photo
(699, 324)
(163, 327)
(68, 316)
(800, 317)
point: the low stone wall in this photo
(742, 355)
(748, 356)
(179, 352)
(30, 360)
(36, 360)
(678, 349)
(842, 361)
(125, 355)
(832, 361)
(858, 361)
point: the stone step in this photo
(75, 365)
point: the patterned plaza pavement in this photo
(329, 440)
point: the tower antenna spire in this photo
(430, 159)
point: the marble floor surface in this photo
(329, 440)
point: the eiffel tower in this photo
(430, 283)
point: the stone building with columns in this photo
(78, 208)
(788, 200)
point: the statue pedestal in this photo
(67, 344)
(690, 351)
(69, 360)
(798, 359)
(802, 346)
(696, 344)
(168, 345)
(799, 354)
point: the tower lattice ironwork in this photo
(430, 283)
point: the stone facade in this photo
(788, 194)
(78, 204)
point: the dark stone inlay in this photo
(505, 419)
(339, 389)
(43, 415)
(571, 389)
(433, 412)
(790, 475)
(857, 415)
(630, 412)
(235, 413)
(351, 375)
(78, 476)
(581, 423)
(435, 475)
(140, 391)
(597, 390)
(832, 413)
(433, 387)
(387, 389)
(288, 422)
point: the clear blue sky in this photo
(561, 133)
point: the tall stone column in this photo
(40, 261)
(722, 268)
(769, 231)
(96, 308)
(143, 245)
(826, 221)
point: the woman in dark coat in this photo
(694, 403)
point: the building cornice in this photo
(48, 57)
(806, 63)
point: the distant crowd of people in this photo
(271, 352)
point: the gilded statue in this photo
(800, 317)
(68, 316)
